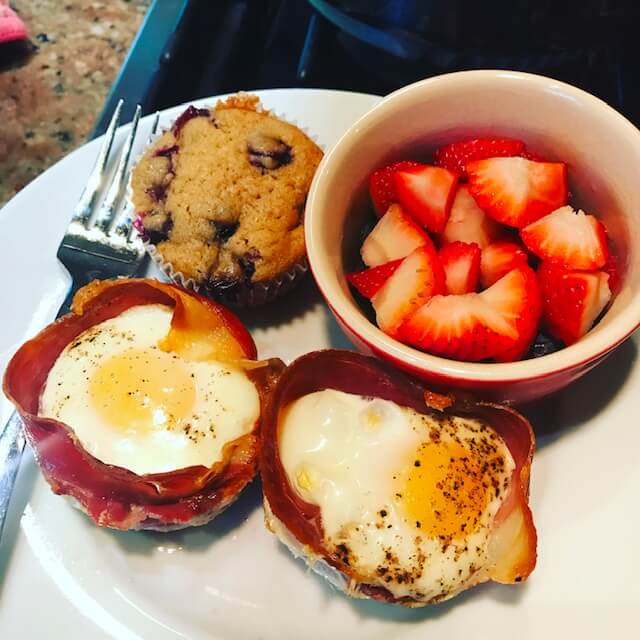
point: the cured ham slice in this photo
(511, 548)
(115, 496)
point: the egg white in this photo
(226, 404)
(344, 453)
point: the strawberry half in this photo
(532, 155)
(456, 155)
(528, 324)
(612, 269)
(395, 236)
(427, 193)
(370, 281)
(515, 191)
(572, 300)
(418, 277)
(468, 222)
(382, 187)
(569, 238)
(493, 324)
(461, 264)
(498, 259)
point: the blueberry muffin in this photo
(221, 197)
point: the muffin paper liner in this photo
(241, 294)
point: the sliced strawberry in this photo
(528, 324)
(477, 326)
(572, 300)
(461, 264)
(427, 193)
(532, 155)
(418, 277)
(498, 259)
(515, 191)
(468, 222)
(369, 281)
(572, 239)
(383, 189)
(395, 236)
(612, 269)
(456, 155)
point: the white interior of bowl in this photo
(557, 120)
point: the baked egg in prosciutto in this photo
(393, 492)
(134, 405)
(143, 404)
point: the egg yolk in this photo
(143, 390)
(444, 493)
(198, 333)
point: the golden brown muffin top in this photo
(222, 193)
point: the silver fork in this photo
(93, 247)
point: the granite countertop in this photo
(48, 106)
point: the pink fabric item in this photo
(11, 27)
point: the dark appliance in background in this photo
(188, 49)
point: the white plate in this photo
(60, 575)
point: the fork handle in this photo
(12, 438)
(11, 448)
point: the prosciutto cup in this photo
(297, 523)
(113, 496)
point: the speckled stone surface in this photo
(49, 105)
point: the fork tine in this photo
(83, 209)
(123, 221)
(110, 204)
(154, 126)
